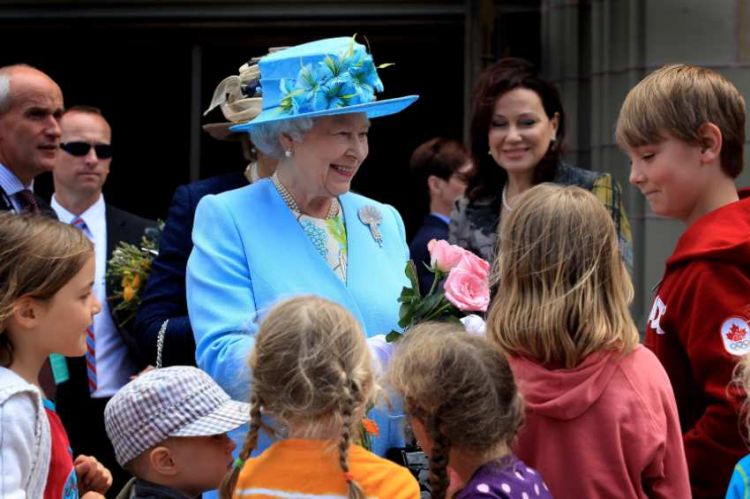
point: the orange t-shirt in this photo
(310, 468)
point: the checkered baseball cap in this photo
(177, 401)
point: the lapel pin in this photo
(371, 216)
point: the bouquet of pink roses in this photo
(466, 288)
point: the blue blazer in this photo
(432, 228)
(250, 252)
(164, 294)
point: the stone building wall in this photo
(597, 50)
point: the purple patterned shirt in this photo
(507, 478)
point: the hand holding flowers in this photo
(466, 287)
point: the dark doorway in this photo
(152, 68)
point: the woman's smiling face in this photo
(329, 155)
(520, 131)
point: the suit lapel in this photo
(113, 229)
(356, 242)
(5, 204)
(358, 237)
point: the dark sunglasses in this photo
(103, 151)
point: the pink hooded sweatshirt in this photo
(607, 428)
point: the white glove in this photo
(381, 352)
(474, 325)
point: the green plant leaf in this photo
(393, 336)
(411, 273)
(428, 307)
(407, 295)
(406, 315)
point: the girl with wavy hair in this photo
(601, 419)
(312, 373)
(739, 485)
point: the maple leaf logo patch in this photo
(734, 335)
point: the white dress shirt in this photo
(113, 363)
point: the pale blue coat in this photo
(250, 252)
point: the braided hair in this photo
(350, 401)
(461, 389)
(311, 369)
(251, 441)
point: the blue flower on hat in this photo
(307, 86)
(292, 100)
(366, 79)
(337, 81)
(336, 92)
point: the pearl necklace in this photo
(292, 204)
(505, 199)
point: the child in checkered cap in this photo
(169, 429)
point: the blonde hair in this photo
(678, 99)
(38, 256)
(311, 366)
(461, 388)
(563, 290)
(737, 391)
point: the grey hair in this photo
(265, 136)
(5, 75)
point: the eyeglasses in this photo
(103, 151)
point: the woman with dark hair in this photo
(517, 141)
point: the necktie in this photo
(90, 338)
(27, 201)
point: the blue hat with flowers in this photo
(321, 78)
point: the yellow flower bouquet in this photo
(127, 272)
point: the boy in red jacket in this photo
(683, 128)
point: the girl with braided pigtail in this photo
(464, 409)
(312, 375)
(441, 447)
(351, 399)
(251, 440)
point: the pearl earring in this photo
(288, 153)
(489, 152)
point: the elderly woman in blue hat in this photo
(302, 231)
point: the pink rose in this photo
(444, 256)
(473, 263)
(467, 286)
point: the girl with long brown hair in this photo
(601, 419)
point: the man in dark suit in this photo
(163, 302)
(443, 165)
(31, 104)
(79, 175)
